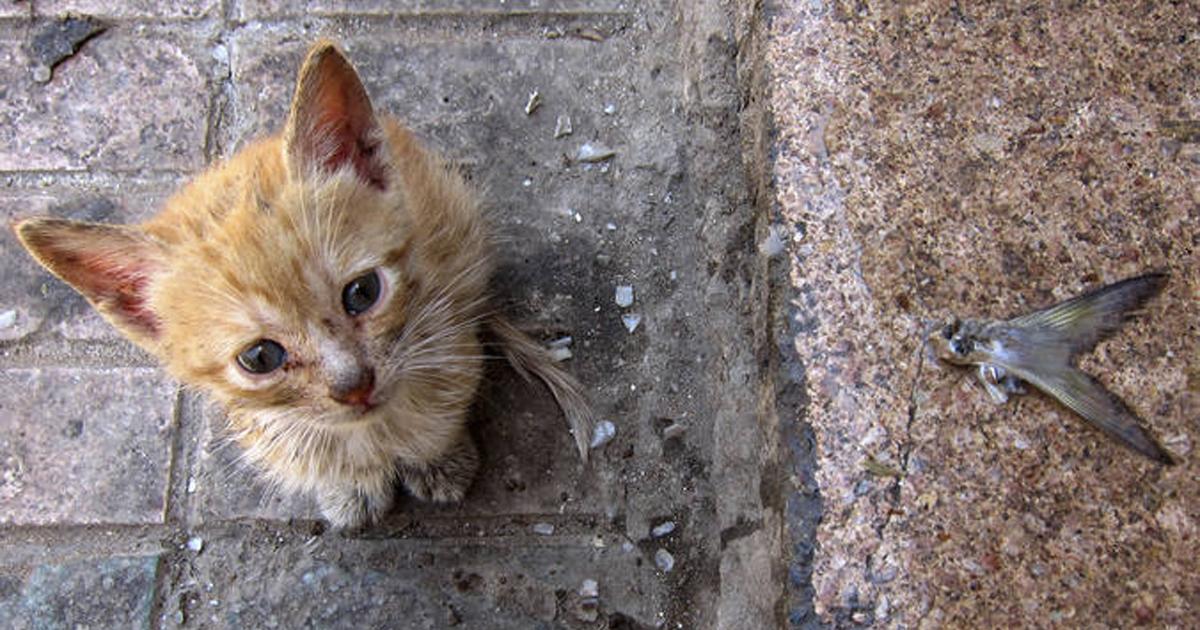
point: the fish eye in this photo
(361, 293)
(960, 346)
(262, 357)
(948, 331)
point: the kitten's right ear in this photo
(332, 124)
(111, 265)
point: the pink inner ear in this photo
(334, 121)
(351, 145)
(119, 285)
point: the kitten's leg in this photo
(446, 479)
(350, 505)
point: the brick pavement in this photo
(120, 506)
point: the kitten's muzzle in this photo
(355, 390)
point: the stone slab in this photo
(128, 9)
(131, 98)
(112, 592)
(83, 446)
(332, 582)
(260, 9)
(936, 161)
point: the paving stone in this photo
(103, 593)
(31, 299)
(257, 9)
(84, 445)
(131, 98)
(333, 582)
(128, 8)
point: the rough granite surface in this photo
(942, 158)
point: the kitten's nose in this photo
(356, 389)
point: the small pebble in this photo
(42, 74)
(534, 102)
(191, 487)
(195, 543)
(674, 431)
(527, 182)
(543, 529)
(611, 227)
(562, 126)
(624, 296)
(664, 560)
(610, 109)
(589, 588)
(663, 529)
(8, 318)
(631, 321)
(594, 152)
(604, 432)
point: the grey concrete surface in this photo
(113, 476)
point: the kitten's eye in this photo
(361, 293)
(263, 357)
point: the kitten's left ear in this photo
(332, 124)
(113, 266)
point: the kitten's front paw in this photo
(445, 480)
(348, 507)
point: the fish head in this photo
(960, 342)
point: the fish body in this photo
(1041, 348)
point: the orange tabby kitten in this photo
(329, 286)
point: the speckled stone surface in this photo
(939, 158)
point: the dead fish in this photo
(1041, 348)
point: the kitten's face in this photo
(292, 300)
(325, 274)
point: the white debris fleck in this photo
(578, 218)
(527, 182)
(673, 431)
(611, 227)
(663, 529)
(220, 54)
(604, 432)
(195, 543)
(772, 246)
(534, 102)
(589, 588)
(631, 321)
(610, 109)
(191, 487)
(624, 295)
(543, 529)
(674, 276)
(594, 152)
(562, 126)
(8, 318)
(664, 560)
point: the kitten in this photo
(329, 287)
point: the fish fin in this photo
(1104, 409)
(1082, 322)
